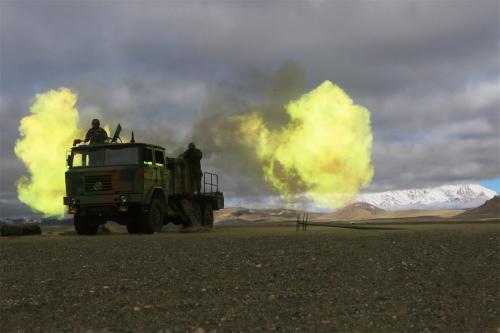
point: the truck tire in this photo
(194, 216)
(208, 215)
(83, 225)
(152, 221)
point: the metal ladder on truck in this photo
(210, 182)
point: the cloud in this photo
(410, 164)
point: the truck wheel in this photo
(152, 221)
(193, 215)
(208, 215)
(83, 225)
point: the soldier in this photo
(96, 134)
(193, 156)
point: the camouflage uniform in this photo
(193, 156)
(96, 135)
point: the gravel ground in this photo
(434, 277)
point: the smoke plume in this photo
(318, 144)
(324, 150)
(217, 133)
(45, 137)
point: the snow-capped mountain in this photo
(442, 197)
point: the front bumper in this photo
(103, 205)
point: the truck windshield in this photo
(110, 156)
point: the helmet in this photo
(192, 146)
(96, 123)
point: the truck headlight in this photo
(123, 199)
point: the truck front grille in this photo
(99, 183)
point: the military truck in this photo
(136, 185)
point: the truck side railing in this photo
(210, 182)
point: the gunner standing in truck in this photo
(96, 134)
(193, 156)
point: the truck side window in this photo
(148, 156)
(159, 158)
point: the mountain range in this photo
(462, 196)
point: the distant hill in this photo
(355, 212)
(358, 211)
(238, 215)
(489, 210)
(43, 221)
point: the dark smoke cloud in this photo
(217, 132)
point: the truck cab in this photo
(136, 185)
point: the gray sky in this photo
(428, 71)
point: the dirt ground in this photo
(386, 278)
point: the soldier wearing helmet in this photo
(96, 134)
(193, 156)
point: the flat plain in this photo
(439, 277)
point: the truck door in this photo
(160, 170)
(149, 171)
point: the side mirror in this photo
(69, 161)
